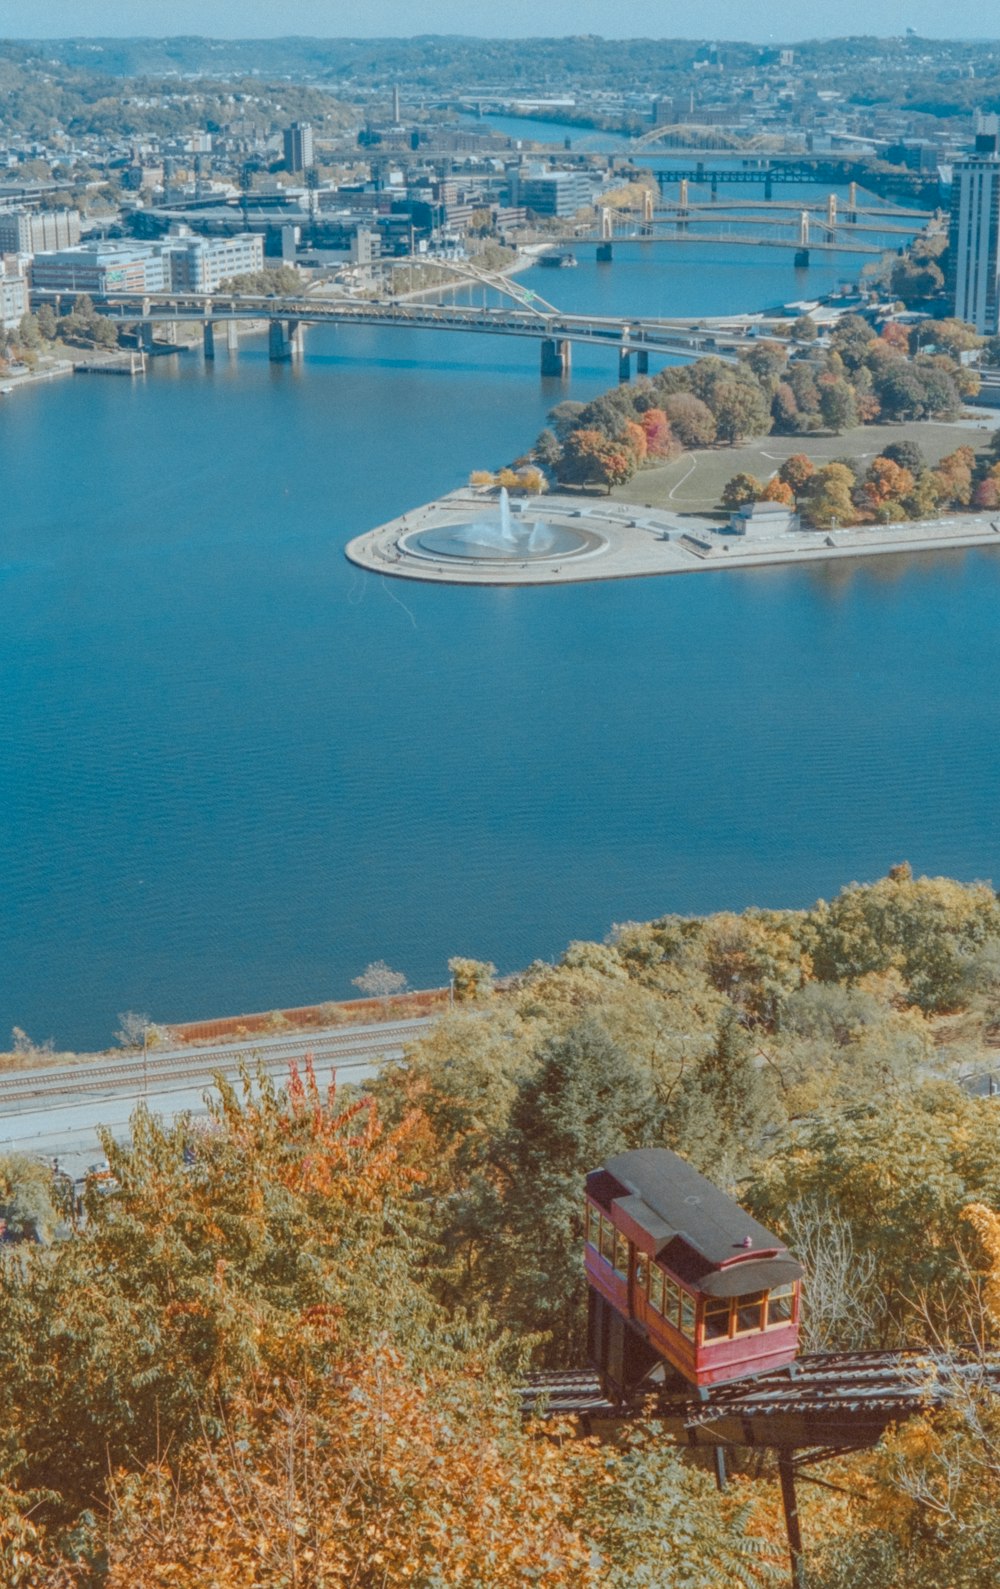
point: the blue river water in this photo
(236, 769)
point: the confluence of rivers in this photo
(237, 769)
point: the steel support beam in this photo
(789, 1501)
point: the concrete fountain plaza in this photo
(469, 538)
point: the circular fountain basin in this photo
(522, 543)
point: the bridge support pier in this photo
(556, 359)
(232, 336)
(284, 340)
(605, 253)
(208, 339)
(801, 258)
(624, 364)
(642, 361)
(145, 331)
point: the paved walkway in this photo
(621, 540)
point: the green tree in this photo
(804, 329)
(585, 1098)
(926, 928)
(837, 406)
(907, 454)
(45, 319)
(851, 337)
(740, 410)
(724, 1104)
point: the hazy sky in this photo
(736, 19)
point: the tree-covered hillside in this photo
(280, 1346)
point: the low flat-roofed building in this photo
(101, 268)
(762, 521)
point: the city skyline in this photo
(786, 20)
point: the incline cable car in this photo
(681, 1279)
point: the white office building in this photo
(13, 298)
(199, 264)
(974, 252)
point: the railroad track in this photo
(874, 1384)
(158, 1067)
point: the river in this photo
(236, 769)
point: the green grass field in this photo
(693, 482)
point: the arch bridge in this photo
(530, 316)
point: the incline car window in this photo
(780, 1304)
(749, 1312)
(716, 1319)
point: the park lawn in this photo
(693, 483)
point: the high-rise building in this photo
(974, 241)
(24, 232)
(298, 142)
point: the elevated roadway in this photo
(538, 321)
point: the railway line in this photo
(158, 1068)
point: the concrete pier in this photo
(208, 339)
(556, 357)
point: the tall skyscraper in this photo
(298, 140)
(974, 238)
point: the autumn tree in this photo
(660, 442)
(829, 500)
(589, 458)
(886, 481)
(742, 488)
(691, 420)
(796, 471)
(778, 491)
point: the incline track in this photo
(158, 1066)
(827, 1388)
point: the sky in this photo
(757, 20)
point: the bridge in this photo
(533, 318)
(838, 231)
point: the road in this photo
(55, 1112)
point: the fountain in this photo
(498, 537)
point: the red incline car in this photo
(682, 1281)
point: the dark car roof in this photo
(679, 1202)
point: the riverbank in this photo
(605, 539)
